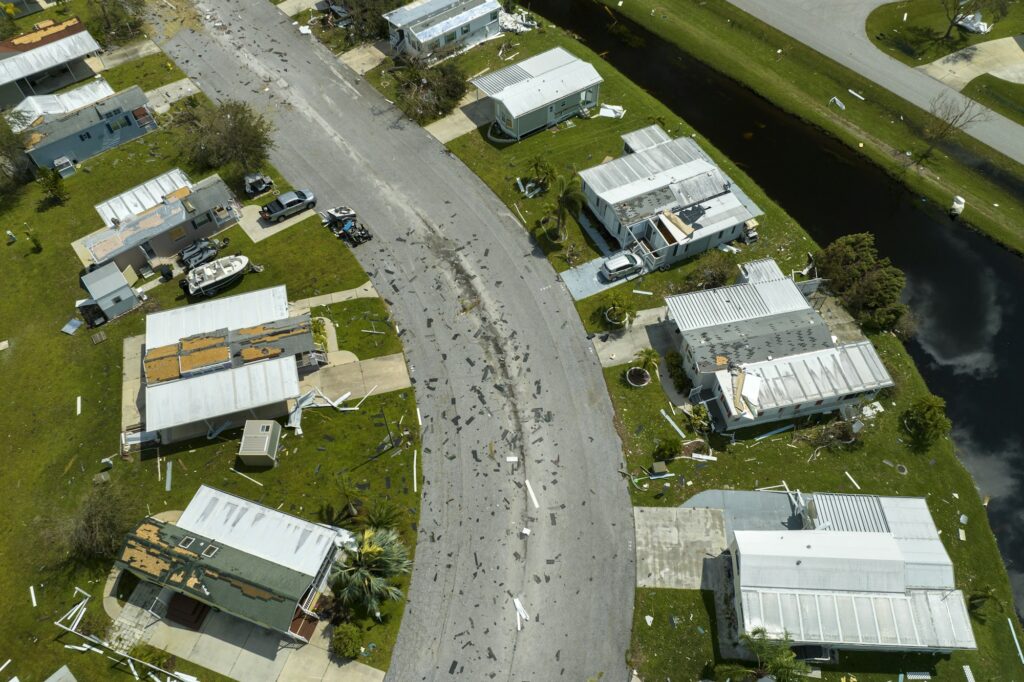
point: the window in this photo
(200, 221)
(264, 428)
(116, 300)
(465, 29)
(178, 233)
(494, 16)
(450, 38)
(210, 551)
(186, 542)
(113, 112)
(85, 136)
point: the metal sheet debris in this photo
(855, 484)
(533, 498)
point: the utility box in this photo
(260, 440)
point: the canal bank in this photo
(960, 284)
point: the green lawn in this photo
(922, 37)
(936, 474)
(802, 81)
(357, 324)
(51, 454)
(1003, 96)
(677, 645)
(147, 72)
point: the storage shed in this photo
(540, 91)
(260, 439)
(109, 291)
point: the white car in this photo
(621, 265)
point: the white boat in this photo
(208, 279)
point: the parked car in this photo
(289, 203)
(621, 265)
(198, 253)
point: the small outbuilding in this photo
(109, 292)
(260, 439)
(541, 91)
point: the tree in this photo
(7, 26)
(97, 527)
(926, 421)
(950, 113)
(54, 191)
(426, 94)
(775, 658)
(15, 166)
(229, 134)
(648, 359)
(620, 310)
(869, 287)
(569, 198)
(346, 641)
(668, 450)
(713, 269)
(363, 578)
(541, 171)
(954, 9)
(700, 420)
(119, 18)
(382, 515)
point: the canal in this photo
(961, 286)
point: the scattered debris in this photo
(519, 22)
(649, 620)
(973, 23)
(32, 593)
(673, 424)
(533, 498)
(775, 432)
(233, 469)
(512, 458)
(72, 326)
(643, 293)
(871, 409)
(611, 111)
(415, 478)
(963, 519)
(855, 94)
(167, 485)
(520, 611)
(525, 532)
(305, 30)
(963, 534)
(1012, 632)
(855, 484)
(78, 406)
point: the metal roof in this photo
(218, 394)
(736, 303)
(71, 124)
(31, 109)
(762, 270)
(538, 81)
(645, 170)
(103, 281)
(34, 59)
(451, 18)
(142, 197)
(207, 194)
(645, 138)
(919, 619)
(232, 312)
(820, 560)
(263, 532)
(423, 11)
(809, 377)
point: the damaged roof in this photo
(45, 48)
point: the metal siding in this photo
(58, 104)
(645, 138)
(232, 312)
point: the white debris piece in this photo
(973, 23)
(611, 111)
(520, 611)
(649, 620)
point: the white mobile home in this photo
(666, 199)
(540, 92)
(425, 27)
(758, 352)
(866, 573)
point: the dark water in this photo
(962, 287)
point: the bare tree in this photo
(950, 114)
(955, 9)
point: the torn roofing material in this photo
(50, 46)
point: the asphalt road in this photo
(500, 360)
(835, 28)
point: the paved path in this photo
(836, 29)
(123, 54)
(500, 360)
(1003, 58)
(304, 304)
(163, 97)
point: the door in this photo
(148, 250)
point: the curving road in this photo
(501, 364)
(835, 28)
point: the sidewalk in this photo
(126, 53)
(163, 97)
(303, 305)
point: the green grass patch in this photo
(363, 326)
(51, 454)
(936, 474)
(922, 37)
(999, 95)
(151, 71)
(336, 39)
(802, 81)
(677, 645)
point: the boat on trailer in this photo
(208, 279)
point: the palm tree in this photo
(775, 658)
(569, 198)
(363, 578)
(620, 310)
(648, 359)
(541, 171)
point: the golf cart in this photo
(342, 221)
(257, 184)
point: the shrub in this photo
(346, 641)
(926, 421)
(680, 380)
(869, 287)
(667, 449)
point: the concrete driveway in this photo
(474, 110)
(585, 280)
(836, 29)
(673, 545)
(501, 362)
(259, 229)
(1003, 58)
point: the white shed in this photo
(260, 439)
(109, 291)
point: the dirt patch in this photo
(164, 18)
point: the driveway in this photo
(673, 544)
(1003, 58)
(585, 280)
(500, 360)
(259, 229)
(836, 29)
